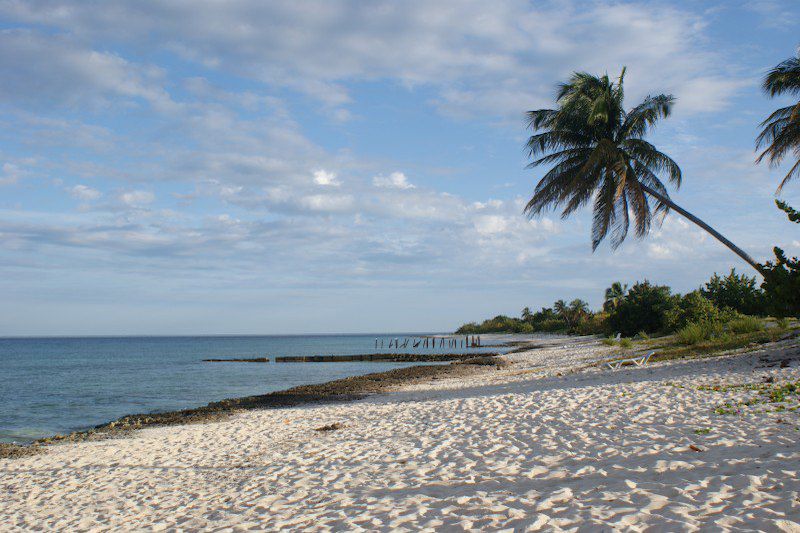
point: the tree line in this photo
(643, 309)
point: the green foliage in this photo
(782, 285)
(573, 317)
(614, 295)
(695, 333)
(625, 342)
(705, 330)
(545, 319)
(647, 307)
(609, 341)
(593, 324)
(727, 341)
(597, 153)
(692, 308)
(573, 313)
(702, 431)
(793, 215)
(643, 335)
(782, 323)
(727, 409)
(737, 292)
(552, 325)
(745, 324)
(500, 323)
(781, 134)
(782, 278)
(785, 392)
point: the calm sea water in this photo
(57, 385)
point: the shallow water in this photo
(57, 385)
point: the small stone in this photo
(331, 427)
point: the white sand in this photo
(592, 450)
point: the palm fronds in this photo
(598, 156)
(781, 133)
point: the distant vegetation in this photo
(595, 150)
(725, 304)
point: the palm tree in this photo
(782, 128)
(614, 295)
(560, 307)
(598, 153)
(578, 309)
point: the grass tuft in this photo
(692, 334)
(746, 324)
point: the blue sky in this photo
(204, 167)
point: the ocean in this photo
(56, 385)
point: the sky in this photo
(250, 167)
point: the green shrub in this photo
(782, 278)
(694, 333)
(737, 292)
(745, 324)
(783, 323)
(782, 285)
(643, 335)
(625, 343)
(693, 308)
(609, 341)
(645, 308)
(594, 324)
(552, 324)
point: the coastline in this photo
(550, 440)
(340, 390)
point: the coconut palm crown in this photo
(615, 295)
(597, 150)
(781, 134)
(597, 153)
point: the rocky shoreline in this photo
(340, 390)
(376, 357)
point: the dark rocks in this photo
(346, 389)
(239, 360)
(331, 427)
(15, 451)
(381, 357)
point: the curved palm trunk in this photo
(717, 235)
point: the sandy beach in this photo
(551, 441)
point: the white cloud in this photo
(85, 193)
(10, 174)
(395, 180)
(50, 68)
(325, 178)
(497, 58)
(490, 224)
(136, 198)
(328, 202)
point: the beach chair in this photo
(638, 361)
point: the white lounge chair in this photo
(638, 361)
